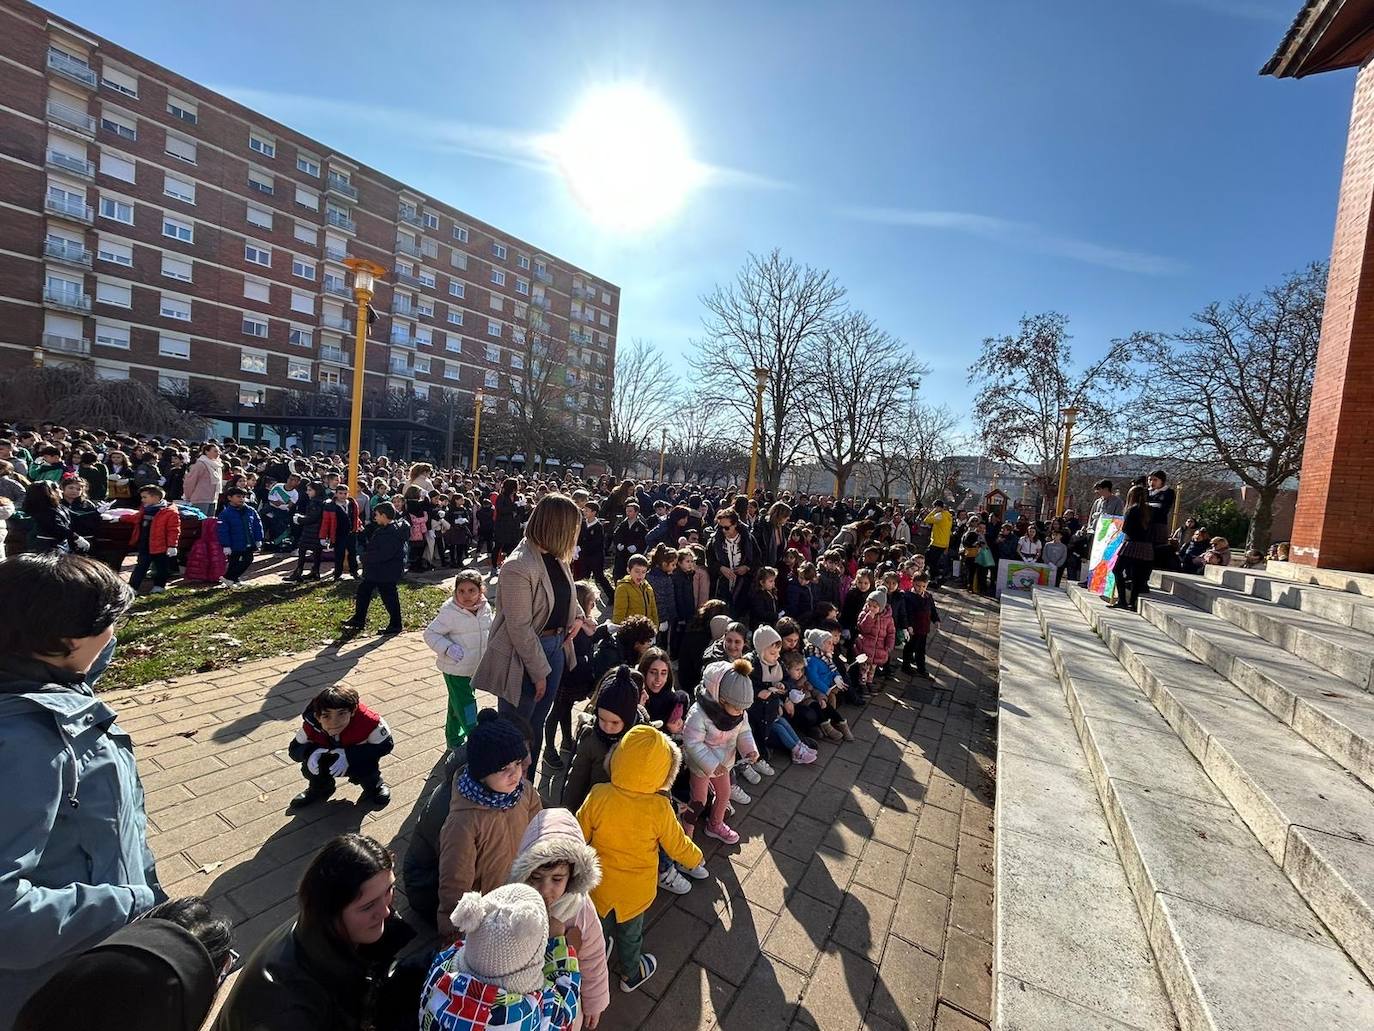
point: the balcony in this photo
(336, 289)
(410, 216)
(334, 355)
(67, 163)
(406, 279)
(540, 302)
(543, 276)
(404, 309)
(402, 369)
(341, 186)
(74, 210)
(70, 68)
(335, 322)
(67, 345)
(71, 118)
(401, 337)
(67, 251)
(404, 246)
(66, 297)
(341, 221)
(335, 254)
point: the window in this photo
(460, 233)
(493, 354)
(186, 110)
(605, 297)
(123, 126)
(117, 210)
(176, 229)
(308, 165)
(428, 247)
(257, 255)
(422, 363)
(181, 148)
(452, 370)
(173, 383)
(498, 277)
(493, 328)
(522, 286)
(175, 308)
(459, 260)
(605, 319)
(329, 377)
(253, 361)
(173, 347)
(304, 268)
(492, 380)
(334, 284)
(426, 278)
(262, 145)
(517, 361)
(257, 290)
(112, 336)
(260, 217)
(424, 336)
(307, 198)
(425, 308)
(302, 302)
(497, 302)
(454, 344)
(118, 294)
(251, 396)
(176, 268)
(499, 249)
(111, 371)
(298, 369)
(254, 327)
(306, 234)
(455, 288)
(540, 269)
(455, 317)
(523, 261)
(179, 189)
(262, 182)
(115, 253)
(116, 166)
(301, 337)
(431, 220)
(120, 82)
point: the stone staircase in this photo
(1205, 768)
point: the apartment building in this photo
(158, 230)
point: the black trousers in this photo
(935, 563)
(390, 599)
(1135, 581)
(365, 774)
(914, 652)
(237, 564)
(347, 544)
(160, 570)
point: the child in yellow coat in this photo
(627, 821)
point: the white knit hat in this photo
(817, 638)
(765, 636)
(507, 932)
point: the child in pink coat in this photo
(877, 633)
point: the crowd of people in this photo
(733, 634)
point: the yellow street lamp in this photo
(662, 453)
(1070, 414)
(760, 384)
(476, 427)
(365, 274)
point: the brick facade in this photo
(1336, 492)
(55, 77)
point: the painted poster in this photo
(1015, 575)
(1107, 543)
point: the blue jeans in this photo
(538, 712)
(782, 733)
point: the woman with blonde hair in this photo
(536, 616)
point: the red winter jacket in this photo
(330, 523)
(366, 738)
(877, 635)
(163, 534)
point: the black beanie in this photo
(494, 742)
(620, 694)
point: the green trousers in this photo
(462, 710)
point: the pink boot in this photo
(803, 755)
(721, 832)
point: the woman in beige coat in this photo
(536, 615)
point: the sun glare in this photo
(625, 158)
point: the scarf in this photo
(476, 791)
(660, 706)
(722, 719)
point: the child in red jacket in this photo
(877, 633)
(341, 737)
(156, 535)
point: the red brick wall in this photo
(1336, 492)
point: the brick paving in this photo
(860, 894)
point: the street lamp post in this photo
(476, 427)
(760, 383)
(365, 274)
(662, 453)
(1070, 414)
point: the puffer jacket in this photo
(632, 599)
(74, 834)
(554, 836)
(877, 635)
(707, 746)
(665, 596)
(628, 820)
(239, 528)
(456, 625)
(476, 848)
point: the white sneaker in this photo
(737, 794)
(673, 881)
(697, 873)
(159, 590)
(224, 582)
(761, 765)
(749, 773)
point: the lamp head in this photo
(365, 273)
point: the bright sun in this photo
(625, 158)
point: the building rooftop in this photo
(1325, 36)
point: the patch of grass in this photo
(196, 630)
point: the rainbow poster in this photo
(1107, 542)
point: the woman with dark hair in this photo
(77, 864)
(52, 525)
(506, 521)
(329, 966)
(770, 535)
(1136, 559)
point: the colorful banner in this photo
(1107, 544)
(1015, 575)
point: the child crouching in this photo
(340, 736)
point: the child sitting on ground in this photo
(340, 736)
(1219, 554)
(826, 680)
(800, 705)
(458, 636)
(626, 821)
(766, 715)
(715, 734)
(512, 970)
(556, 861)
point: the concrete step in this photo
(1335, 579)
(1329, 712)
(1235, 942)
(1071, 950)
(1338, 649)
(1344, 607)
(1314, 819)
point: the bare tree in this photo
(765, 319)
(930, 435)
(73, 395)
(534, 389)
(1026, 381)
(854, 374)
(1235, 387)
(643, 402)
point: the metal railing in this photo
(401, 338)
(71, 209)
(68, 163)
(404, 246)
(402, 369)
(341, 186)
(67, 345)
(72, 118)
(335, 254)
(336, 289)
(403, 309)
(342, 221)
(71, 68)
(66, 250)
(335, 322)
(543, 277)
(337, 355)
(410, 216)
(406, 279)
(67, 297)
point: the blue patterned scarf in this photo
(476, 791)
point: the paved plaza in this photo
(860, 894)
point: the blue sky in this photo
(954, 165)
